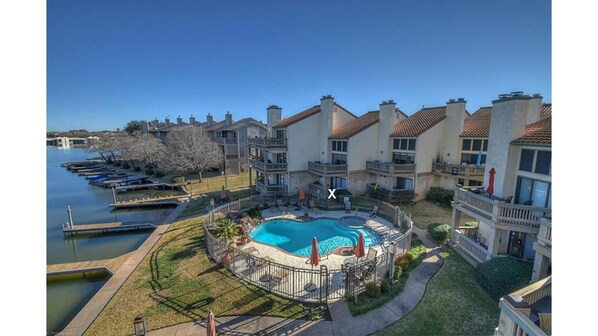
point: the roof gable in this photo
(539, 132)
(298, 117)
(355, 126)
(419, 122)
(478, 124)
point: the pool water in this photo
(295, 237)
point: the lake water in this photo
(89, 205)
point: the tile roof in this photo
(539, 132)
(355, 126)
(221, 126)
(478, 124)
(298, 117)
(419, 122)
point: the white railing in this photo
(516, 308)
(545, 234)
(471, 247)
(389, 167)
(272, 142)
(263, 166)
(326, 168)
(263, 188)
(317, 190)
(460, 170)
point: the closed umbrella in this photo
(301, 195)
(360, 249)
(223, 193)
(490, 189)
(211, 328)
(314, 260)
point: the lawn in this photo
(364, 303)
(202, 205)
(454, 304)
(216, 183)
(148, 193)
(177, 283)
(425, 213)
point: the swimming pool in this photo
(295, 237)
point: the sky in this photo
(109, 62)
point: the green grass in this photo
(177, 283)
(454, 304)
(425, 213)
(364, 303)
(148, 193)
(202, 205)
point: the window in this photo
(281, 134)
(533, 192)
(477, 145)
(485, 147)
(527, 160)
(472, 159)
(339, 146)
(338, 183)
(473, 183)
(339, 158)
(404, 144)
(466, 145)
(281, 158)
(543, 162)
(404, 183)
(403, 158)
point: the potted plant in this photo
(244, 239)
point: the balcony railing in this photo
(232, 156)
(264, 189)
(268, 143)
(227, 141)
(389, 168)
(458, 170)
(318, 190)
(498, 211)
(519, 310)
(474, 249)
(267, 167)
(326, 168)
(545, 234)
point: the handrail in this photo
(327, 167)
(390, 167)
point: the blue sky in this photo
(109, 62)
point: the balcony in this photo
(267, 143)
(267, 167)
(527, 311)
(507, 216)
(389, 168)
(458, 170)
(318, 191)
(268, 189)
(225, 141)
(327, 169)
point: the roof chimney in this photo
(192, 120)
(167, 122)
(274, 115)
(179, 121)
(228, 118)
(209, 120)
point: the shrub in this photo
(503, 275)
(378, 193)
(178, 179)
(254, 213)
(126, 165)
(439, 232)
(404, 260)
(137, 169)
(314, 315)
(440, 195)
(398, 272)
(384, 286)
(372, 290)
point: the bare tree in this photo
(106, 146)
(149, 150)
(190, 149)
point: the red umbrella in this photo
(360, 249)
(222, 193)
(211, 328)
(490, 189)
(314, 260)
(302, 194)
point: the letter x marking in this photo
(331, 191)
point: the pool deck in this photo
(332, 261)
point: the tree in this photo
(189, 149)
(106, 146)
(133, 126)
(149, 150)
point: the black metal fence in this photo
(303, 284)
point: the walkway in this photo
(111, 265)
(343, 323)
(93, 308)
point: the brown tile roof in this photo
(478, 124)
(539, 132)
(298, 117)
(355, 126)
(546, 111)
(419, 122)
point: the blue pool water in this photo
(295, 237)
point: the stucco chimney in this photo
(385, 125)
(274, 115)
(228, 118)
(209, 120)
(509, 115)
(167, 121)
(179, 121)
(326, 124)
(533, 111)
(192, 120)
(453, 126)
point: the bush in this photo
(126, 165)
(255, 213)
(398, 272)
(440, 195)
(379, 193)
(384, 286)
(314, 315)
(439, 232)
(372, 290)
(178, 179)
(503, 275)
(404, 260)
(137, 169)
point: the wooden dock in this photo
(106, 227)
(109, 265)
(147, 203)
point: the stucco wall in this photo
(361, 148)
(300, 179)
(427, 147)
(303, 142)
(358, 180)
(423, 183)
(453, 126)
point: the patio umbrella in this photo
(490, 189)
(211, 327)
(302, 194)
(223, 193)
(314, 259)
(479, 160)
(360, 249)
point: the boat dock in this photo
(144, 186)
(147, 203)
(105, 227)
(108, 265)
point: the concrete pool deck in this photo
(332, 261)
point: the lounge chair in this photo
(281, 206)
(372, 253)
(348, 206)
(279, 276)
(312, 207)
(374, 211)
